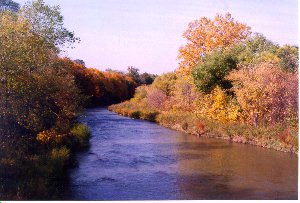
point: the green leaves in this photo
(211, 72)
(47, 22)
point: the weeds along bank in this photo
(237, 86)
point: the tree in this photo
(166, 83)
(47, 22)
(134, 73)
(255, 49)
(79, 61)
(213, 69)
(36, 93)
(147, 78)
(289, 58)
(9, 5)
(205, 35)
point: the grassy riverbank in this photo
(37, 169)
(275, 137)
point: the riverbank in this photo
(36, 168)
(270, 137)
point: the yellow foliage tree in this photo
(204, 35)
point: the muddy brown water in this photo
(138, 160)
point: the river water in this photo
(139, 160)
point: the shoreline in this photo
(271, 144)
(235, 139)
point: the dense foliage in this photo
(230, 84)
(42, 96)
(205, 35)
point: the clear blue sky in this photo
(147, 33)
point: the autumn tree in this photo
(266, 93)
(205, 35)
(166, 83)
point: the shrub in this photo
(183, 96)
(140, 93)
(134, 114)
(149, 115)
(165, 83)
(50, 136)
(218, 106)
(156, 98)
(266, 93)
(57, 161)
(81, 134)
(60, 155)
(200, 128)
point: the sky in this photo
(148, 33)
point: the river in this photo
(138, 160)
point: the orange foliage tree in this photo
(204, 35)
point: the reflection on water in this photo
(138, 160)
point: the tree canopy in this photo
(205, 35)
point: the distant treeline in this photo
(105, 87)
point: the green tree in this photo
(47, 22)
(255, 49)
(289, 57)
(147, 78)
(211, 72)
(134, 73)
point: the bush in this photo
(266, 93)
(58, 159)
(156, 98)
(134, 114)
(81, 134)
(50, 136)
(149, 115)
(218, 106)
